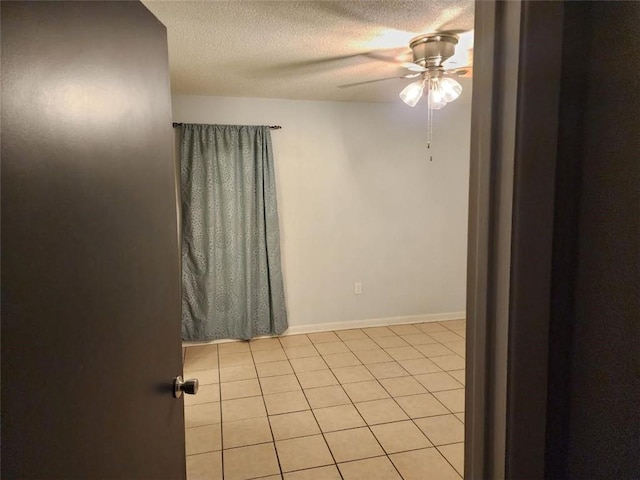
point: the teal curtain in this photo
(231, 271)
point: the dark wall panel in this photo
(604, 428)
(593, 420)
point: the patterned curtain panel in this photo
(231, 272)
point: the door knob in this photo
(187, 386)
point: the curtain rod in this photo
(272, 127)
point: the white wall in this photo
(359, 200)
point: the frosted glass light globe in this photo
(412, 93)
(450, 89)
(436, 99)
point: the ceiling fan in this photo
(430, 54)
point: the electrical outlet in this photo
(357, 288)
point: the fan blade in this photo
(454, 31)
(464, 72)
(348, 85)
(413, 67)
(310, 66)
(457, 22)
(455, 19)
(463, 55)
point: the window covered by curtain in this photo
(231, 271)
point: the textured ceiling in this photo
(299, 50)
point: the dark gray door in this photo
(90, 266)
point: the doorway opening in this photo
(373, 206)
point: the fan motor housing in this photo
(431, 49)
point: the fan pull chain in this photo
(429, 120)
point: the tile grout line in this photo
(221, 419)
(194, 372)
(413, 420)
(266, 411)
(391, 397)
(341, 385)
(451, 412)
(399, 406)
(447, 408)
(443, 456)
(333, 431)
(432, 392)
(310, 408)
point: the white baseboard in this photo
(374, 322)
(348, 324)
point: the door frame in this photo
(489, 254)
(514, 127)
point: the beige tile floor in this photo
(379, 403)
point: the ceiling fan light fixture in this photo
(436, 99)
(450, 89)
(412, 93)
